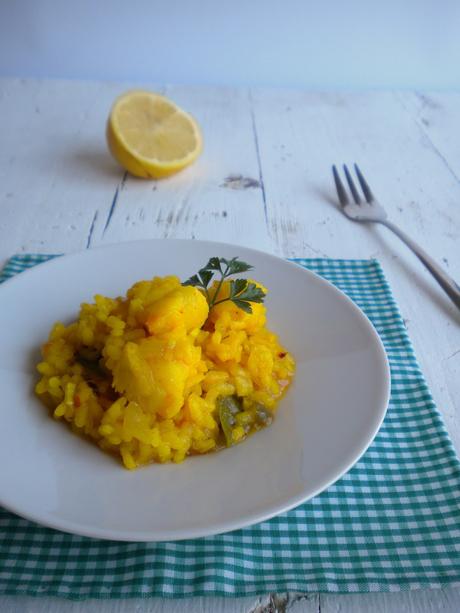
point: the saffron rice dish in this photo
(161, 373)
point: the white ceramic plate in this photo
(324, 424)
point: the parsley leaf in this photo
(236, 266)
(205, 276)
(192, 281)
(243, 305)
(213, 264)
(250, 292)
(237, 286)
(241, 291)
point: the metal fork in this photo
(369, 210)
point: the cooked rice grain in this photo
(141, 375)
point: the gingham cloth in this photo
(392, 523)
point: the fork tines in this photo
(341, 191)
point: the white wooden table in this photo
(264, 181)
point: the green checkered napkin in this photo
(392, 523)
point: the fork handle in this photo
(451, 288)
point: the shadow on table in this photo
(328, 196)
(94, 163)
(414, 274)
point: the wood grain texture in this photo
(434, 601)
(136, 605)
(282, 603)
(263, 181)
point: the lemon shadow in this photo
(94, 163)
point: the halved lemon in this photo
(150, 136)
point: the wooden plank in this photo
(419, 601)
(436, 115)
(54, 170)
(268, 604)
(56, 176)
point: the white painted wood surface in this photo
(264, 181)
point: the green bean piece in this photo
(228, 407)
(263, 416)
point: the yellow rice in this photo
(141, 375)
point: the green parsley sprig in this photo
(241, 291)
